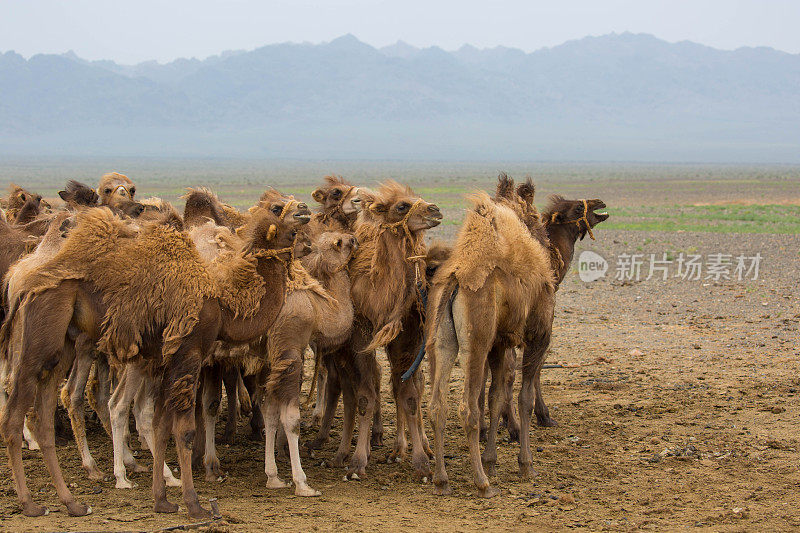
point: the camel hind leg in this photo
(441, 360)
(72, 397)
(474, 344)
(40, 366)
(497, 391)
(143, 413)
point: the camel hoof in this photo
(34, 509)
(526, 472)
(315, 444)
(307, 492)
(339, 459)
(172, 482)
(94, 473)
(124, 483)
(276, 483)
(198, 513)
(546, 422)
(442, 489)
(78, 509)
(164, 506)
(488, 492)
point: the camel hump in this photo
(201, 206)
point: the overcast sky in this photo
(138, 30)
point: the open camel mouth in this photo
(433, 220)
(601, 215)
(303, 218)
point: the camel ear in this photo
(273, 229)
(64, 195)
(319, 196)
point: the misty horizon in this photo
(400, 43)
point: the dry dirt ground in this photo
(689, 420)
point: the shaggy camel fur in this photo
(494, 293)
(338, 211)
(565, 222)
(161, 321)
(308, 309)
(386, 274)
(16, 199)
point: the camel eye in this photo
(107, 191)
(336, 193)
(23, 198)
(402, 208)
(277, 209)
(339, 243)
(133, 191)
(430, 271)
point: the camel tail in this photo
(444, 305)
(385, 335)
(314, 379)
(244, 397)
(5, 330)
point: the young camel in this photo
(338, 211)
(495, 292)
(387, 274)
(565, 221)
(161, 322)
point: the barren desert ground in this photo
(678, 402)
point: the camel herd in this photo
(131, 303)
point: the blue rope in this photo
(422, 290)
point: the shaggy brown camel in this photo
(565, 222)
(161, 322)
(338, 211)
(387, 274)
(495, 292)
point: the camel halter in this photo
(582, 219)
(291, 203)
(338, 207)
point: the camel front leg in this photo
(290, 417)
(400, 449)
(143, 413)
(332, 391)
(271, 416)
(119, 408)
(211, 397)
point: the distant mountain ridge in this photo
(618, 96)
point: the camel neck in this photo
(240, 330)
(562, 238)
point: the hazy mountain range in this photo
(615, 97)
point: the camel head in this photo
(338, 198)
(116, 189)
(25, 205)
(438, 253)
(331, 253)
(582, 214)
(395, 206)
(266, 231)
(77, 194)
(286, 208)
(18, 197)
